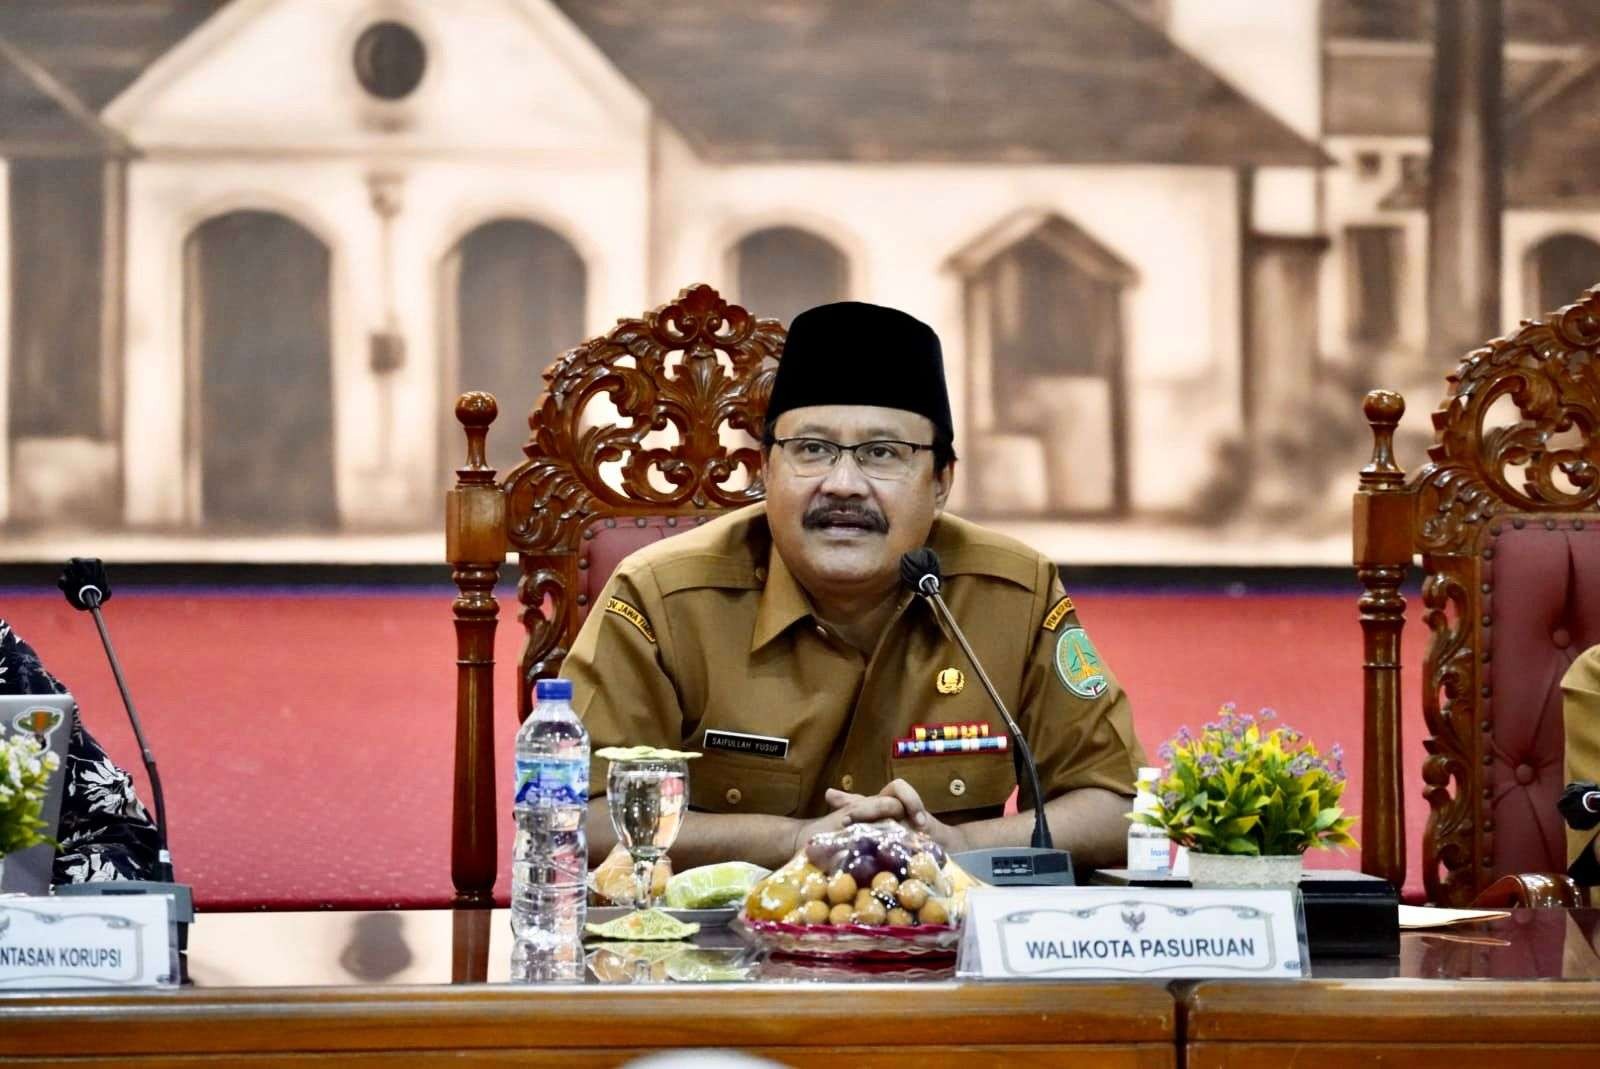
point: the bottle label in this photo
(552, 781)
(1147, 854)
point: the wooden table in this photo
(1522, 991)
(373, 989)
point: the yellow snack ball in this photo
(913, 893)
(900, 918)
(885, 883)
(871, 913)
(842, 888)
(793, 917)
(773, 901)
(814, 912)
(933, 912)
(814, 887)
(840, 914)
(864, 896)
(922, 867)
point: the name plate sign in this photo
(1118, 932)
(109, 941)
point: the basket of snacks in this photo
(870, 892)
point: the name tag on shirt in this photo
(739, 742)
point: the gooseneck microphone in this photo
(920, 571)
(84, 583)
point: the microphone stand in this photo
(91, 597)
(84, 583)
(1040, 863)
(1041, 827)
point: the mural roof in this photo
(932, 80)
(61, 61)
(1540, 21)
(96, 48)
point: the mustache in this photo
(844, 514)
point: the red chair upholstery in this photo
(1542, 587)
(692, 370)
(1503, 518)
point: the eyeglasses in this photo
(882, 458)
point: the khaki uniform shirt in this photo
(706, 642)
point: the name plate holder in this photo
(109, 942)
(1129, 932)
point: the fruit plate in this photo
(705, 918)
(850, 942)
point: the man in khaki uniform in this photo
(778, 641)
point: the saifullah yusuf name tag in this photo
(100, 941)
(739, 742)
(1024, 933)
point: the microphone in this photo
(1042, 863)
(1580, 806)
(84, 583)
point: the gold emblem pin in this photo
(950, 681)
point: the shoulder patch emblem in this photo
(1078, 664)
(632, 615)
(1057, 613)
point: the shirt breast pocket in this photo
(723, 784)
(953, 782)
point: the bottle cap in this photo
(553, 690)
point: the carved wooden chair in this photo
(1504, 518)
(690, 370)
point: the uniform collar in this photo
(783, 602)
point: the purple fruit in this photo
(820, 852)
(862, 868)
(865, 844)
(893, 857)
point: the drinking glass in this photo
(646, 798)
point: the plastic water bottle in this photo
(1147, 846)
(550, 857)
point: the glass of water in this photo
(647, 798)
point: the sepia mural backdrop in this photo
(254, 248)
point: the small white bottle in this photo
(1147, 846)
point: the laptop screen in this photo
(47, 717)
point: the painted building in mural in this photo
(255, 247)
(307, 223)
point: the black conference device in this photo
(1035, 865)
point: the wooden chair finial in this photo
(1383, 409)
(475, 411)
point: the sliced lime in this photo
(713, 886)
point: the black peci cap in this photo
(852, 353)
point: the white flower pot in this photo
(1242, 870)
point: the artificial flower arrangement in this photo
(1241, 788)
(25, 768)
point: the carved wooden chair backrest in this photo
(682, 380)
(1503, 518)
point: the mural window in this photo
(259, 331)
(1047, 391)
(514, 296)
(390, 60)
(784, 270)
(1560, 269)
(57, 242)
(1374, 258)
